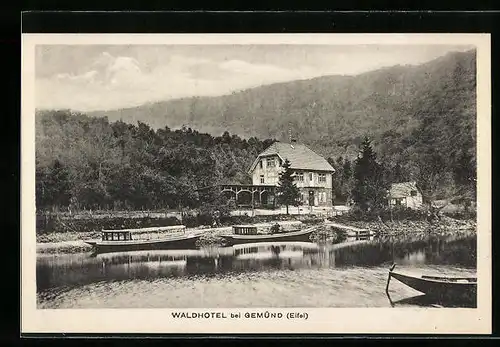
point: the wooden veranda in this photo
(248, 195)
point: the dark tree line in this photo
(366, 180)
(89, 163)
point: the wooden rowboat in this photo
(440, 288)
(351, 232)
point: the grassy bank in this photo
(69, 234)
(63, 247)
(94, 222)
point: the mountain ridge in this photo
(328, 113)
(421, 120)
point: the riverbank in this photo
(63, 222)
(63, 247)
(446, 226)
(74, 242)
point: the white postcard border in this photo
(320, 320)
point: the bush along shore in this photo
(445, 226)
(63, 234)
(84, 223)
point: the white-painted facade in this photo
(315, 186)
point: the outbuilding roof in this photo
(401, 190)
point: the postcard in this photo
(241, 183)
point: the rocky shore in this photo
(446, 226)
(63, 247)
(73, 242)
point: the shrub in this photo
(329, 235)
(397, 213)
(339, 236)
(190, 221)
(463, 215)
(275, 228)
(53, 223)
(210, 239)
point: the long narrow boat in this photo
(248, 234)
(156, 238)
(440, 288)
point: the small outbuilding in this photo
(406, 194)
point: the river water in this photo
(291, 274)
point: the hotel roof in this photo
(300, 157)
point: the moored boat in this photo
(351, 232)
(248, 234)
(440, 288)
(156, 238)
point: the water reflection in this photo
(288, 274)
(426, 301)
(80, 269)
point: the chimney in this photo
(292, 139)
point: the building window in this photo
(260, 164)
(310, 176)
(262, 179)
(398, 201)
(270, 162)
(413, 193)
(299, 177)
(322, 177)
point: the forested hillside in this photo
(421, 120)
(86, 162)
(331, 114)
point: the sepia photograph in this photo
(255, 178)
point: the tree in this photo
(288, 193)
(347, 180)
(87, 162)
(215, 205)
(398, 174)
(342, 179)
(346, 170)
(370, 187)
(436, 183)
(53, 186)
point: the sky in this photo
(104, 77)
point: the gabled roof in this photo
(401, 190)
(300, 157)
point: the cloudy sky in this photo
(100, 77)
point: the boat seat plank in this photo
(469, 279)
